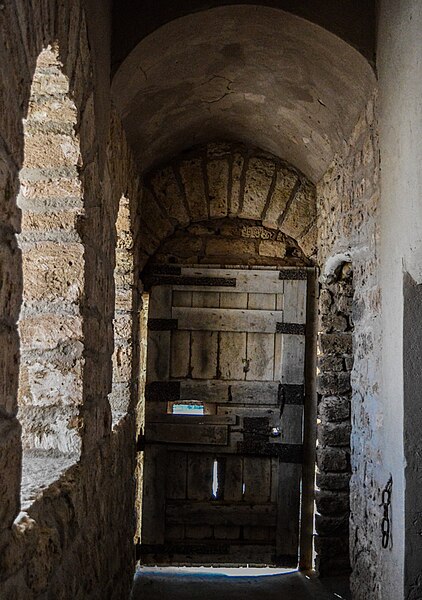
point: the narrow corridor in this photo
(200, 584)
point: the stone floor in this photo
(234, 584)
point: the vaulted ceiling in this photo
(254, 74)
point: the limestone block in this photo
(332, 459)
(47, 331)
(169, 195)
(301, 213)
(218, 181)
(284, 186)
(52, 271)
(54, 379)
(334, 408)
(192, 175)
(51, 428)
(225, 247)
(10, 471)
(49, 221)
(147, 240)
(236, 175)
(309, 242)
(56, 192)
(272, 248)
(259, 176)
(122, 364)
(123, 326)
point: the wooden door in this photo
(224, 416)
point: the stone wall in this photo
(348, 198)
(76, 538)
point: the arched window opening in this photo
(50, 322)
(123, 315)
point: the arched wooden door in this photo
(224, 416)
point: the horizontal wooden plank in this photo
(227, 319)
(258, 393)
(218, 513)
(194, 419)
(186, 434)
(187, 282)
(246, 280)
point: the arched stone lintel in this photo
(225, 180)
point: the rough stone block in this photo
(334, 408)
(332, 525)
(333, 481)
(334, 434)
(332, 459)
(332, 503)
(336, 343)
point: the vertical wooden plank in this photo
(278, 356)
(176, 480)
(233, 300)
(233, 480)
(182, 298)
(295, 301)
(206, 299)
(279, 305)
(288, 504)
(153, 504)
(198, 532)
(260, 357)
(200, 469)
(291, 424)
(180, 354)
(262, 301)
(175, 533)
(232, 355)
(293, 359)
(160, 302)
(257, 479)
(204, 349)
(158, 356)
